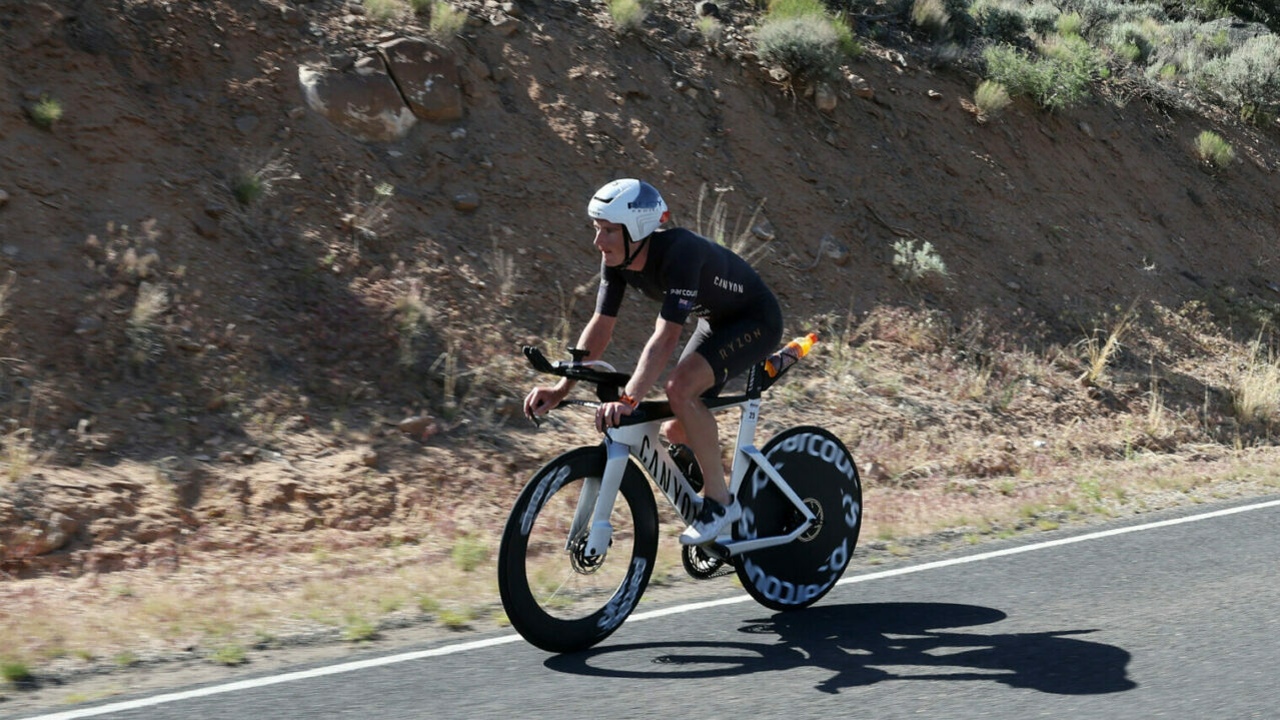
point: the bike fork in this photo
(595, 504)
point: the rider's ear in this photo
(666, 215)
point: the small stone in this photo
(506, 25)
(825, 98)
(835, 250)
(89, 325)
(4, 198)
(419, 427)
(466, 201)
(205, 226)
(860, 87)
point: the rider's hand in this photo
(542, 400)
(609, 414)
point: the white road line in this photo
(637, 617)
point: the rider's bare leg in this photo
(673, 431)
(691, 377)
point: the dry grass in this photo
(1255, 386)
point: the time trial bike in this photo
(579, 546)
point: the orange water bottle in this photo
(792, 352)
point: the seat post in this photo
(755, 384)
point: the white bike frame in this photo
(641, 441)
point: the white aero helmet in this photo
(634, 204)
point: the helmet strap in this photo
(627, 254)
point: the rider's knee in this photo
(680, 391)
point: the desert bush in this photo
(15, 672)
(1100, 346)
(1130, 41)
(1096, 16)
(1255, 389)
(915, 264)
(1042, 18)
(446, 20)
(415, 317)
(1000, 22)
(806, 47)
(385, 10)
(804, 39)
(628, 15)
(1247, 80)
(991, 98)
(1068, 23)
(1055, 82)
(45, 112)
(931, 16)
(143, 328)
(370, 217)
(469, 553)
(230, 655)
(1214, 150)
(255, 180)
(711, 29)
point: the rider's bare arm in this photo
(653, 359)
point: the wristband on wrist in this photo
(629, 401)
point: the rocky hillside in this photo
(223, 299)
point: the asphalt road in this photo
(1180, 619)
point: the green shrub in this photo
(628, 15)
(1042, 18)
(15, 672)
(807, 46)
(384, 10)
(930, 16)
(1000, 22)
(1129, 40)
(446, 20)
(1247, 80)
(229, 655)
(915, 264)
(779, 9)
(248, 188)
(1214, 150)
(991, 98)
(1069, 23)
(469, 553)
(711, 29)
(960, 21)
(1055, 82)
(46, 112)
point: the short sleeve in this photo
(612, 287)
(682, 272)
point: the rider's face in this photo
(610, 241)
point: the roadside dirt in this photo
(257, 415)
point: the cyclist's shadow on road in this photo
(862, 644)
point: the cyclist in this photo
(739, 324)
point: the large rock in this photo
(364, 102)
(427, 75)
